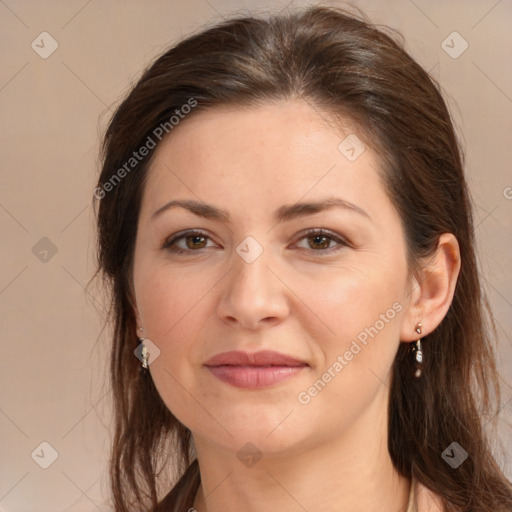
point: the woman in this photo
(286, 229)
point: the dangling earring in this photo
(419, 354)
(145, 354)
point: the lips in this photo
(262, 358)
(256, 370)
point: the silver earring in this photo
(419, 354)
(145, 357)
(145, 353)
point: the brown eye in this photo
(321, 241)
(193, 242)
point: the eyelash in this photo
(168, 243)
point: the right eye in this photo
(189, 241)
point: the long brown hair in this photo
(340, 63)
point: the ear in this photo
(432, 292)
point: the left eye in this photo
(320, 240)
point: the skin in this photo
(299, 297)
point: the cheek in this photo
(169, 300)
(363, 313)
(349, 301)
(174, 305)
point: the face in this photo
(326, 285)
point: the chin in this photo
(252, 439)
(269, 430)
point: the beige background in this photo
(53, 111)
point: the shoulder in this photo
(426, 500)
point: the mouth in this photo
(254, 371)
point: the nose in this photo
(253, 295)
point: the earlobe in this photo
(433, 291)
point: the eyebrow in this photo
(284, 213)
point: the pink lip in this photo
(256, 370)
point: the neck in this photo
(349, 472)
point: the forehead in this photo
(278, 151)
(283, 127)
